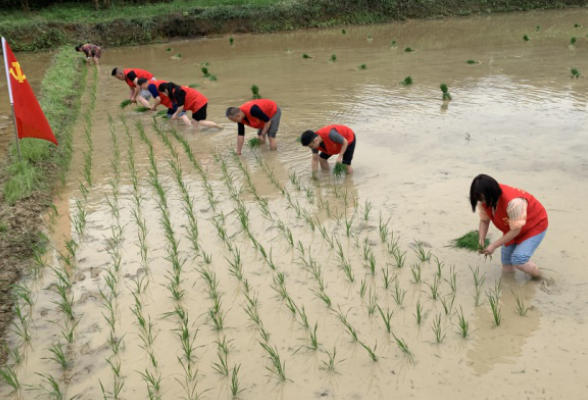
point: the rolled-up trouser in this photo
(519, 254)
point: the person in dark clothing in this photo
(91, 51)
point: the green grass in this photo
(575, 73)
(526, 38)
(472, 62)
(362, 67)
(407, 81)
(469, 241)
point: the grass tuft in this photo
(407, 81)
(408, 50)
(339, 170)
(362, 67)
(575, 73)
(306, 56)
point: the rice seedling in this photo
(444, 90)
(350, 329)
(440, 265)
(421, 253)
(254, 143)
(306, 56)
(493, 297)
(463, 324)
(10, 378)
(255, 92)
(371, 352)
(279, 367)
(575, 73)
(452, 281)
(419, 313)
(573, 41)
(222, 366)
(339, 170)
(15, 357)
(362, 288)
(369, 37)
(191, 85)
(434, 287)
(408, 50)
(577, 26)
(415, 269)
(58, 356)
(125, 103)
(521, 308)
(313, 338)
(331, 362)
(438, 330)
(399, 258)
(235, 381)
(398, 293)
(169, 49)
(384, 230)
(343, 31)
(407, 81)
(372, 302)
(393, 44)
(362, 67)
(386, 317)
(526, 38)
(447, 303)
(333, 58)
(177, 56)
(231, 40)
(403, 346)
(53, 391)
(152, 379)
(472, 62)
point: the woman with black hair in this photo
(185, 99)
(520, 217)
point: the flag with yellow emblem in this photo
(29, 118)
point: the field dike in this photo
(36, 34)
(27, 186)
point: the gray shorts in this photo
(146, 94)
(273, 129)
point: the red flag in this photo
(30, 120)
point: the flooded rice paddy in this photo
(180, 271)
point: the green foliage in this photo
(125, 103)
(573, 41)
(408, 50)
(306, 56)
(407, 81)
(393, 44)
(469, 241)
(343, 31)
(472, 62)
(445, 90)
(231, 40)
(362, 67)
(255, 92)
(339, 170)
(254, 143)
(526, 38)
(575, 73)
(333, 57)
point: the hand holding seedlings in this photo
(328, 141)
(262, 114)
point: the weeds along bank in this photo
(130, 24)
(26, 186)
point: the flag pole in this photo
(11, 99)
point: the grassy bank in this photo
(27, 185)
(123, 25)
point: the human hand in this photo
(133, 100)
(152, 109)
(239, 152)
(340, 158)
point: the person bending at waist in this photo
(328, 141)
(188, 99)
(520, 216)
(91, 51)
(158, 97)
(262, 114)
(131, 77)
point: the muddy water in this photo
(34, 66)
(517, 116)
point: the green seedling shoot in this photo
(575, 73)
(445, 91)
(333, 57)
(255, 92)
(231, 40)
(306, 56)
(362, 67)
(407, 81)
(573, 41)
(339, 170)
(408, 50)
(526, 38)
(472, 62)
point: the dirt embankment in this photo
(195, 22)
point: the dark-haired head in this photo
(307, 137)
(485, 189)
(78, 47)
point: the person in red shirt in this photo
(520, 216)
(160, 98)
(328, 141)
(188, 99)
(91, 51)
(131, 77)
(262, 114)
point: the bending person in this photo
(328, 141)
(188, 99)
(262, 114)
(159, 97)
(520, 217)
(91, 51)
(131, 77)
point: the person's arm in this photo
(516, 210)
(131, 76)
(137, 87)
(336, 137)
(180, 100)
(315, 162)
(240, 137)
(484, 225)
(343, 150)
(259, 114)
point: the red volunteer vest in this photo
(194, 99)
(267, 106)
(165, 101)
(536, 214)
(331, 147)
(141, 73)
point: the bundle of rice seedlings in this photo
(446, 95)
(254, 142)
(339, 170)
(362, 66)
(407, 81)
(255, 91)
(469, 241)
(575, 73)
(124, 104)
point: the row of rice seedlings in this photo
(262, 202)
(344, 263)
(88, 131)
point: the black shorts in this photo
(200, 115)
(347, 156)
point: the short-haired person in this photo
(131, 77)
(188, 99)
(328, 141)
(520, 217)
(262, 114)
(159, 97)
(91, 51)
